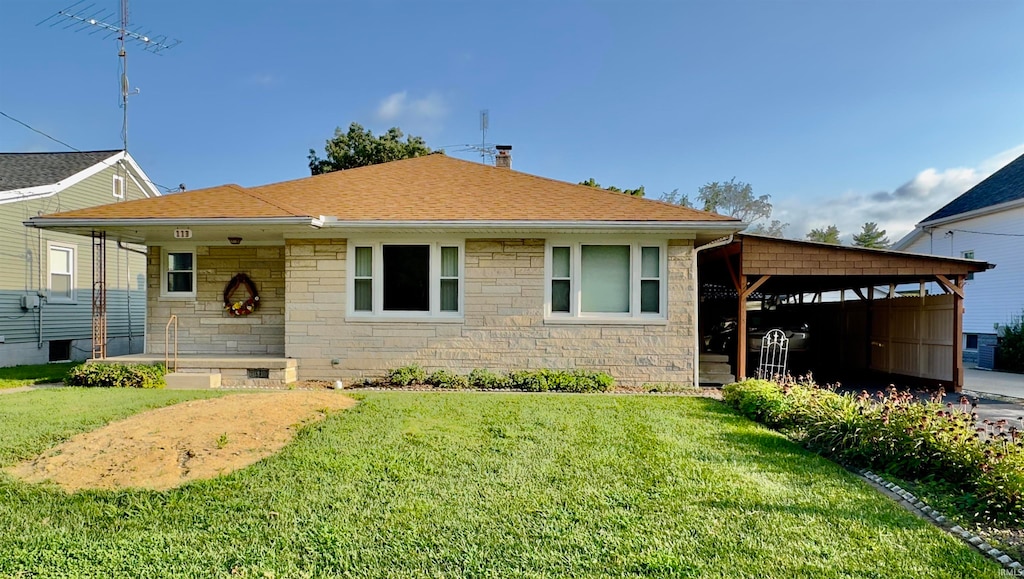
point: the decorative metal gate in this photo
(774, 355)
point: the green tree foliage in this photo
(638, 192)
(359, 147)
(828, 234)
(1011, 345)
(774, 229)
(871, 236)
(676, 198)
(736, 199)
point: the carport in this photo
(869, 311)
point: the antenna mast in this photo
(88, 17)
(485, 118)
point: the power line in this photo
(987, 233)
(27, 126)
(30, 127)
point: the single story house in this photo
(431, 260)
(458, 265)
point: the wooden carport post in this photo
(741, 322)
(956, 287)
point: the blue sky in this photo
(842, 111)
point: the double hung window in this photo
(62, 274)
(405, 279)
(179, 273)
(605, 280)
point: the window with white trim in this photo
(968, 255)
(62, 274)
(118, 187)
(179, 273)
(405, 279)
(605, 280)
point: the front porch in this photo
(199, 371)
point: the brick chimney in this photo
(504, 157)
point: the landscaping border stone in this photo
(915, 505)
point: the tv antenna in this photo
(485, 149)
(98, 20)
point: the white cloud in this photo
(398, 107)
(897, 211)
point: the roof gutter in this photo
(48, 222)
(696, 302)
(531, 224)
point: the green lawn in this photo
(477, 485)
(34, 374)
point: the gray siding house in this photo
(46, 277)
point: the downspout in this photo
(39, 284)
(696, 305)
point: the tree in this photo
(638, 192)
(735, 199)
(828, 234)
(775, 229)
(871, 236)
(676, 198)
(359, 147)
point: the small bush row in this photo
(116, 376)
(543, 380)
(895, 433)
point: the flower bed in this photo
(897, 434)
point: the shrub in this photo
(560, 381)
(486, 380)
(116, 376)
(406, 375)
(1011, 345)
(446, 379)
(758, 400)
(895, 433)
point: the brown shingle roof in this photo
(430, 188)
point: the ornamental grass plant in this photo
(896, 433)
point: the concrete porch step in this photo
(716, 378)
(715, 368)
(192, 380)
(714, 358)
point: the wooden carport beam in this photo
(741, 323)
(951, 287)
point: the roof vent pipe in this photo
(504, 157)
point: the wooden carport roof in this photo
(787, 267)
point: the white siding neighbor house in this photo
(985, 223)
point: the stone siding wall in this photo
(503, 328)
(204, 327)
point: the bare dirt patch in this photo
(167, 447)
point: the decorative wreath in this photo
(245, 306)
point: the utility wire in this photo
(987, 233)
(31, 128)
